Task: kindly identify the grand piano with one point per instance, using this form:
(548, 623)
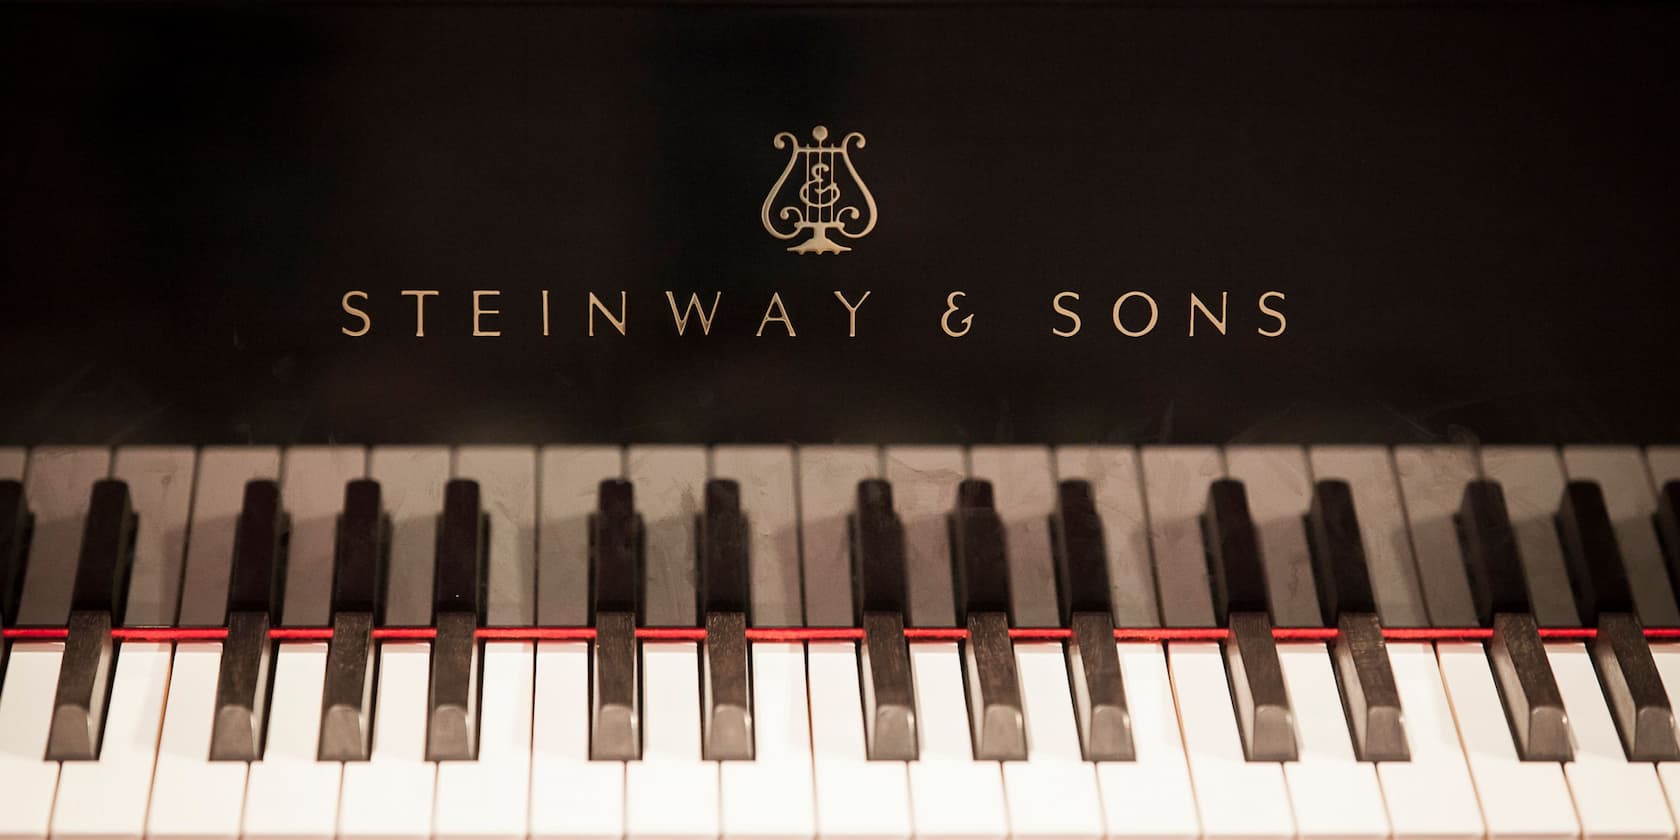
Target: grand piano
(850, 420)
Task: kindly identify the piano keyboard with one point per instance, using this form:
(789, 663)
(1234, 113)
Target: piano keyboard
(847, 642)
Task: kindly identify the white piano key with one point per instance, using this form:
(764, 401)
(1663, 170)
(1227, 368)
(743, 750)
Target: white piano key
(160, 485)
(570, 477)
(192, 796)
(1613, 796)
(1053, 794)
(312, 490)
(507, 480)
(670, 492)
(951, 794)
(1117, 486)
(1175, 484)
(1528, 799)
(1667, 656)
(671, 792)
(1024, 490)
(1430, 796)
(1332, 793)
(1432, 480)
(1237, 797)
(488, 799)
(26, 704)
(1150, 797)
(1620, 471)
(1279, 486)
(219, 492)
(1662, 462)
(924, 481)
(828, 480)
(772, 796)
(108, 798)
(572, 798)
(1532, 480)
(59, 483)
(411, 482)
(13, 460)
(1369, 472)
(844, 775)
(390, 796)
(765, 475)
(289, 795)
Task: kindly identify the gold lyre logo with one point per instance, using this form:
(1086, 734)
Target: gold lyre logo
(821, 204)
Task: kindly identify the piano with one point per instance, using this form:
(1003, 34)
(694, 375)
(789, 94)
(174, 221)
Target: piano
(665, 420)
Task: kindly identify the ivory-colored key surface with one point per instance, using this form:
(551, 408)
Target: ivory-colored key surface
(569, 479)
(217, 495)
(312, 492)
(1614, 797)
(488, 798)
(924, 482)
(1175, 481)
(193, 796)
(1430, 796)
(768, 498)
(844, 775)
(1054, 792)
(828, 479)
(1024, 493)
(1279, 488)
(1252, 800)
(573, 798)
(411, 481)
(58, 486)
(289, 795)
(1369, 472)
(671, 792)
(951, 794)
(1151, 796)
(1432, 480)
(1117, 491)
(1620, 472)
(507, 481)
(391, 795)
(1532, 479)
(1331, 792)
(26, 703)
(772, 796)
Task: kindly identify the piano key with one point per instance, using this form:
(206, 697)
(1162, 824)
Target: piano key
(1620, 471)
(1613, 796)
(362, 539)
(1369, 473)
(771, 796)
(1024, 489)
(725, 694)
(573, 798)
(1150, 796)
(192, 796)
(1519, 798)
(1253, 801)
(878, 553)
(489, 797)
(84, 680)
(924, 481)
(254, 600)
(1338, 552)
(107, 798)
(58, 486)
(764, 475)
(1332, 793)
(463, 537)
(844, 774)
(951, 794)
(1093, 664)
(1667, 656)
(671, 792)
(1114, 477)
(26, 705)
(828, 480)
(390, 796)
(1054, 792)
(1431, 795)
(507, 480)
(1278, 485)
(289, 795)
(570, 479)
(313, 495)
(15, 524)
(616, 549)
(13, 460)
(218, 493)
(669, 484)
(1175, 483)
(160, 484)
(411, 480)
(1532, 479)
(1432, 480)
(981, 570)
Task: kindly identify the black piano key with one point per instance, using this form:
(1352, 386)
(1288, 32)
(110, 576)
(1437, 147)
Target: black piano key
(1627, 671)
(1491, 563)
(359, 568)
(1363, 672)
(254, 587)
(616, 537)
(980, 573)
(878, 578)
(1235, 571)
(1081, 563)
(84, 678)
(16, 523)
(462, 542)
(726, 693)
(1667, 522)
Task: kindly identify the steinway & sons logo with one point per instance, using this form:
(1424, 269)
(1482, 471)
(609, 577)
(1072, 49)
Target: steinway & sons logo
(822, 203)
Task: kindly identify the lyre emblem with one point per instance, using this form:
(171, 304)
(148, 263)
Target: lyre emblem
(821, 204)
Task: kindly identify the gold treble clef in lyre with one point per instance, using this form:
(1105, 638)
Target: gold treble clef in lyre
(820, 209)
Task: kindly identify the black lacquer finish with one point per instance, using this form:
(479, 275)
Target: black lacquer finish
(726, 692)
(462, 544)
(360, 562)
(1081, 561)
(980, 572)
(255, 584)
(16, 523)
(616, 537)
(876, 537)
(84, 676)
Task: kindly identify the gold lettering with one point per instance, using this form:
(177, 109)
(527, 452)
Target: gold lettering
(777, 307)
(1056, 304)
(1282, 323)
(851, 312)
(693, 304)
(1197, 305)
(419, 296)
(1154, 313)
(545, 312)
(595, 304)
(951, 309)
(367, 323)
(479, 312)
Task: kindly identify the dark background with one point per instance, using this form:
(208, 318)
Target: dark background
(1471, 210)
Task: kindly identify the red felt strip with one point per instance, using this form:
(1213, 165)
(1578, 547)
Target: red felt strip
(169, 634)
(935, 634)
(537, 634)
(404, 633)
(35, 633)
(301, 634)
(804, 634)
(1169, 634)
(1039, 634)
(671, 634)
(1304, 634)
